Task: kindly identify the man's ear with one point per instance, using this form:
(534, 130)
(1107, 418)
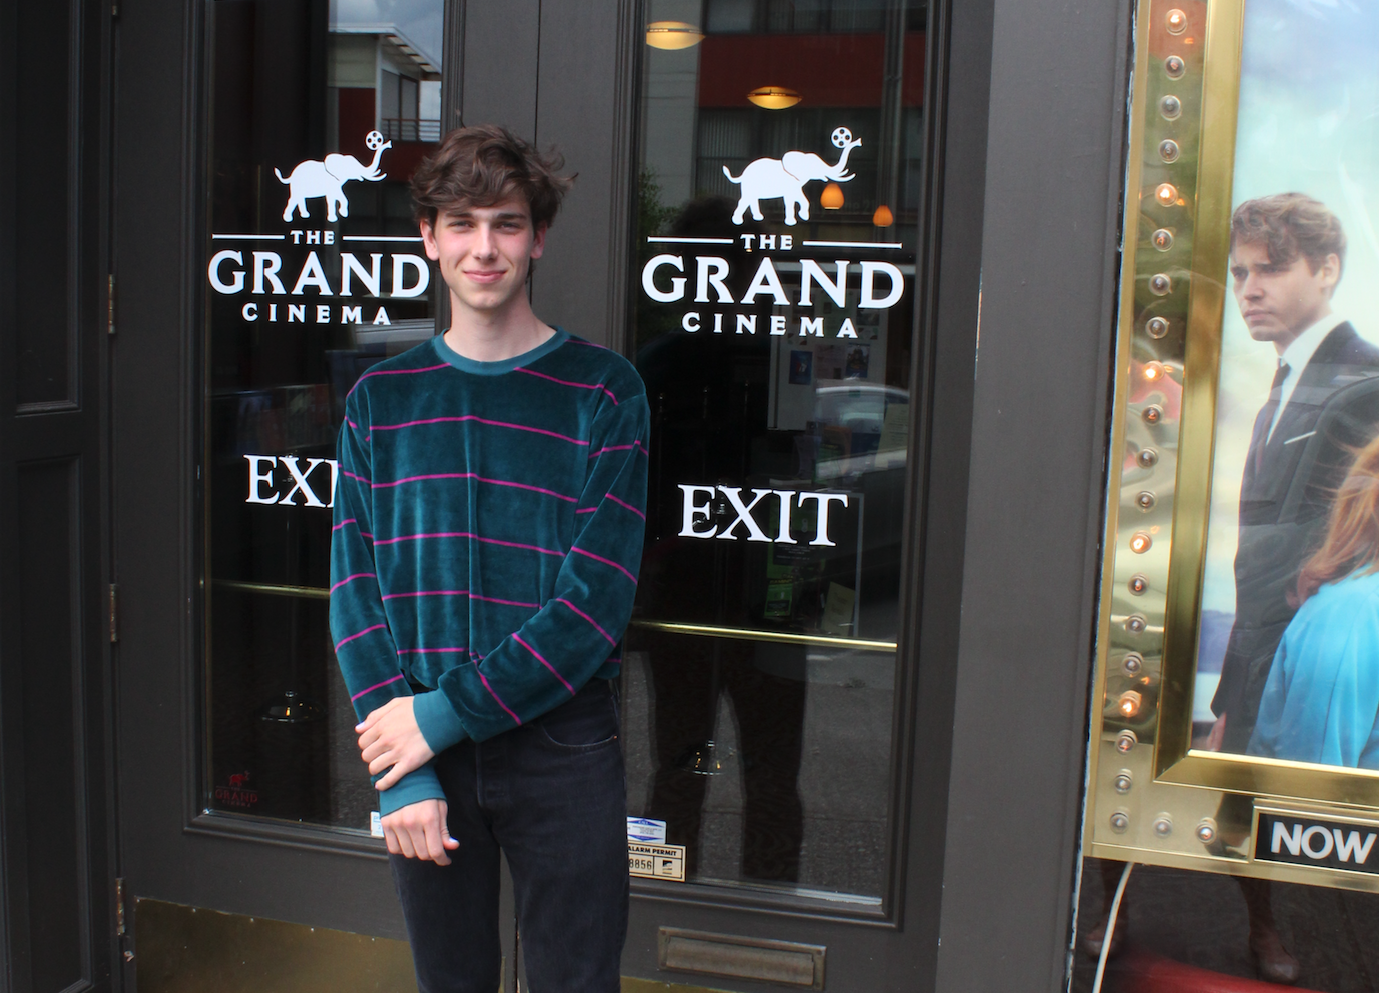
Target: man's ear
(1331, 271)
(428, 239)
(538, 242)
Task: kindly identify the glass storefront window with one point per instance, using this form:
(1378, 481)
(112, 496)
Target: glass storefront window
(319, 114)
(777, 228)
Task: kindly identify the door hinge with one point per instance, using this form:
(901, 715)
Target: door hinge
(114, 613)
(110, 303)
(119, 907)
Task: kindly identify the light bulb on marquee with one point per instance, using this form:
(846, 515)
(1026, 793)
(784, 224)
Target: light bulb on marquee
(774, 97)
(672, 36)
(832, 197)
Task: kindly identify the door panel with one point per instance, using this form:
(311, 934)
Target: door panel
(55, 798)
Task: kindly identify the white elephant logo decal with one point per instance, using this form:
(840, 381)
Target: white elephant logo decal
(316, 178)
(784, 178)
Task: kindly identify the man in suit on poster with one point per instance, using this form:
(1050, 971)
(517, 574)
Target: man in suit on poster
(1287, 256)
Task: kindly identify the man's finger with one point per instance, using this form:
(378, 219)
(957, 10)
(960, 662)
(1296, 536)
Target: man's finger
(374, 751)
(368, 736)
(435, 831)
(418, 831)
(446, 839)
(404, 840)
(390, 836)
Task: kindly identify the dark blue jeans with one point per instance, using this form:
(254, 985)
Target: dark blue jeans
(552, 796)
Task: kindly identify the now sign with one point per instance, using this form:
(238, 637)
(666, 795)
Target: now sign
(1304, 840)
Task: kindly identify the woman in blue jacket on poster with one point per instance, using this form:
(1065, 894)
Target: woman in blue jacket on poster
(1321, 701)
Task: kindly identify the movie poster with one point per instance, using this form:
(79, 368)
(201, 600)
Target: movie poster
(1288, 657)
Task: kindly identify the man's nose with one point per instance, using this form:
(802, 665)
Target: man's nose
(485, 244)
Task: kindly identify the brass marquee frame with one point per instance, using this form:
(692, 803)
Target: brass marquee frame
(1153, 797)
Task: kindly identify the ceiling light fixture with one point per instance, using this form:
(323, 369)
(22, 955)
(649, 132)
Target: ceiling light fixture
(672, 36)
(774, 97)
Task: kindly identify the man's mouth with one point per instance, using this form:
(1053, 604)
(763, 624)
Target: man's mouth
(484, 275)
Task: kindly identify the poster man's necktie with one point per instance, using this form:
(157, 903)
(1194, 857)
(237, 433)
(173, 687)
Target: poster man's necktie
(1266, 416)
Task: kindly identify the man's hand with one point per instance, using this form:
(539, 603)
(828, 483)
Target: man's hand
(419, 831)
(390, 737)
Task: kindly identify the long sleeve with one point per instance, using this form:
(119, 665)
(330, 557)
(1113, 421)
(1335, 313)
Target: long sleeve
(363, 642)
(579, 627)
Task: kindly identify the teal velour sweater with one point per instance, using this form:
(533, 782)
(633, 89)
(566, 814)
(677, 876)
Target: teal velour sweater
(488, 532)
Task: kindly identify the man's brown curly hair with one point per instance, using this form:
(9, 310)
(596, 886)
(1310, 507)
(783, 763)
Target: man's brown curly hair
(484, 165)
(1290, 226)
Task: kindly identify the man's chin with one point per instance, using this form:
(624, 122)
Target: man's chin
(1267, 332)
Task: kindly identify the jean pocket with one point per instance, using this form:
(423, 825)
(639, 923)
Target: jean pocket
(588, 721)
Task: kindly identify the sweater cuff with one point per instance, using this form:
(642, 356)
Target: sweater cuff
(417, 785)
(437, 721)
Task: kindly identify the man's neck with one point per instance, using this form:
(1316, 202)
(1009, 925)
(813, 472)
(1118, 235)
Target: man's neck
(1281, 346)
(496, 336)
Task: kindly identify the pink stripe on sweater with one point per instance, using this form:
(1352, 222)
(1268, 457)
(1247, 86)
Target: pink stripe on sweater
(509, 603)
(375, 686)
(346, 472)
(396, 372)
(425, 651)
(394, 596)
(629, 506)
(621, 448)
(495, 696)
(581, 613)
(542, 659)
(481, 420)
(347, 520)
(473, 475)
(357, 575)
(466, 534)
(566, 382)
(472, 596)
(359, 635)
(600, 558)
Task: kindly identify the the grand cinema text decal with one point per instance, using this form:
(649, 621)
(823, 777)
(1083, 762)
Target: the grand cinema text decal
(310, 266)
(700, 273)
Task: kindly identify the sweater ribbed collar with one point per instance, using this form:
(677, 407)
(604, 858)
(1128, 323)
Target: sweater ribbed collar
(448, 354)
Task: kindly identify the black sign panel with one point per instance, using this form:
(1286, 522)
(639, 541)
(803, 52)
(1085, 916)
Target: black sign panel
(1306, 840)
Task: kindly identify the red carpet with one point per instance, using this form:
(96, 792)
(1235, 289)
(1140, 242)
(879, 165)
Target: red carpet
(1142, 972)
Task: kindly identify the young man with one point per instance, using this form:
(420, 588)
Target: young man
(1287, 255)
(488, 532)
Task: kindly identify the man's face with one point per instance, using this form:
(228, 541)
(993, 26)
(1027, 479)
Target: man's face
(1280, 301)
(484, 253)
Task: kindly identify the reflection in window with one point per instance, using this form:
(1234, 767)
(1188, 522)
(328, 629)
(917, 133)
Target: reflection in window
(321, 112)
(777, 225)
